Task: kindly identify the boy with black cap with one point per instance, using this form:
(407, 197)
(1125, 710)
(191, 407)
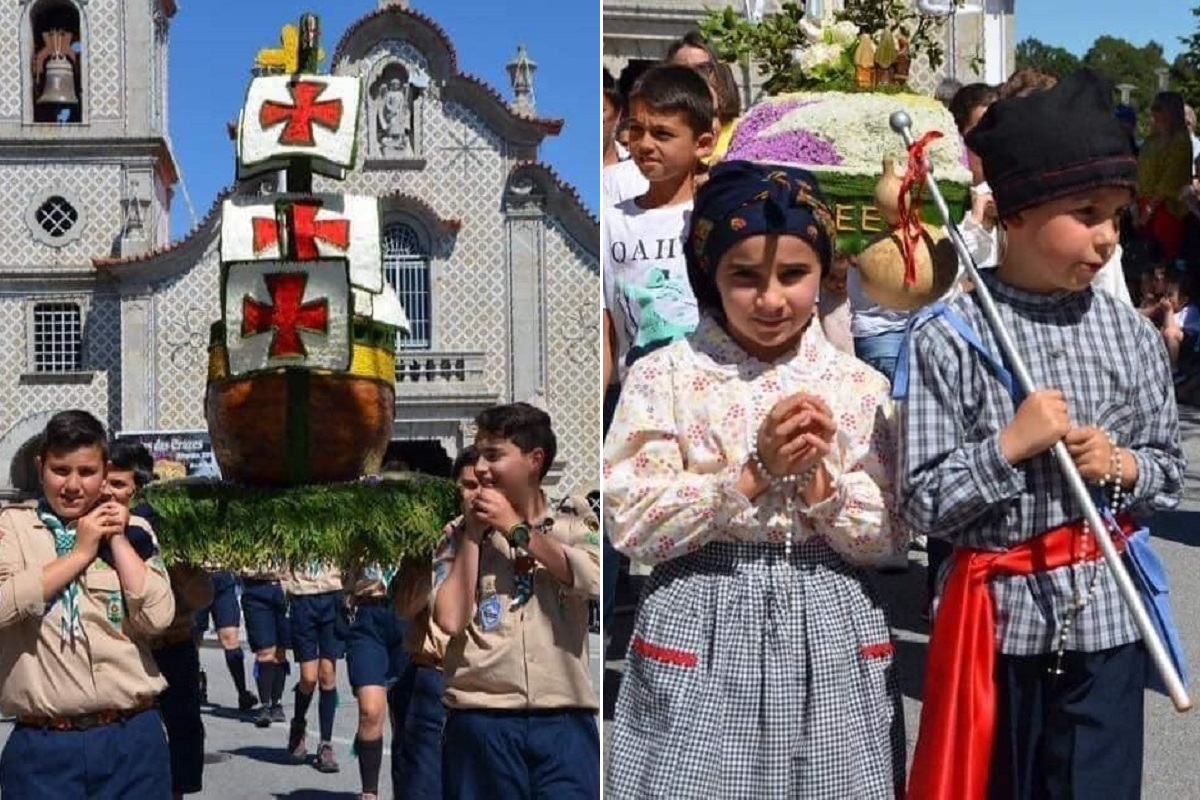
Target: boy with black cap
(1057, 712)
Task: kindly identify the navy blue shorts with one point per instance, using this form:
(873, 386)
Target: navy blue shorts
(488, 754)
(375, 654)
(319, 626)
(110, 762)
(224, 610)
(418, 718)
(180, 708)
(264, 607)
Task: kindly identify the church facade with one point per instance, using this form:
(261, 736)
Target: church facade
(492, 255)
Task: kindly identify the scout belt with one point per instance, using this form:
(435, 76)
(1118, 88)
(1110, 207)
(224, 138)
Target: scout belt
(83, 722)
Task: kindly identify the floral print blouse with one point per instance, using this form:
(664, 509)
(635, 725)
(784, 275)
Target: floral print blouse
(684, 429)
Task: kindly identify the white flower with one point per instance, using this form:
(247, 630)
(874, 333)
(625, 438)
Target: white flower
(811, 31)
(819, 55)
(844, 32)
(857, 126)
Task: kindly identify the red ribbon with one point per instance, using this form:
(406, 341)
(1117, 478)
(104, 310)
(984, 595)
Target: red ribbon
(909, 228)
(958, 716)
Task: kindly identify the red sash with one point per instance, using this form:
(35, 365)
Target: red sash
(958, 717)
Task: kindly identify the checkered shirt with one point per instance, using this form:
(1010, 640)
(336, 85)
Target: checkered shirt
(954, 483)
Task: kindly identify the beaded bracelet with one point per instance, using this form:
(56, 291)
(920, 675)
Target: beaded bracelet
(800, 480)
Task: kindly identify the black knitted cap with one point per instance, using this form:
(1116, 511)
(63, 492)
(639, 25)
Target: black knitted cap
(1053, 143)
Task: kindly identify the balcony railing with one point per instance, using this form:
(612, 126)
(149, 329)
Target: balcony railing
(432, 373)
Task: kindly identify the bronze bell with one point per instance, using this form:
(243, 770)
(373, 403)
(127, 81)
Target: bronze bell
(59, 86)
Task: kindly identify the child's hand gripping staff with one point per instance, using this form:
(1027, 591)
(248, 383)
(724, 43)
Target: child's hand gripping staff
(1045, 409)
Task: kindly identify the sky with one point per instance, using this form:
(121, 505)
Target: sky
(213, 42)
(1075, 24)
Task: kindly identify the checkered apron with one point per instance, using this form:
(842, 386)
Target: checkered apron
(749, 677)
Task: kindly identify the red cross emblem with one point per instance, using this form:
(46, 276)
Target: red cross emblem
(306, 229)
(300, 117)
(286, 315)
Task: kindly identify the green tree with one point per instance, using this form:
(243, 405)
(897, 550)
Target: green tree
(1185, 72)
(1122, 62)
(1035, 54)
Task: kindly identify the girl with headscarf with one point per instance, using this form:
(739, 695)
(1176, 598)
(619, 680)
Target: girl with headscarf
(752, 464)
(1164, 170)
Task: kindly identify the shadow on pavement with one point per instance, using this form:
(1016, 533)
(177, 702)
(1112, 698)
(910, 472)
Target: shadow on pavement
(267, 755)
(1177, 526)
(317, 794)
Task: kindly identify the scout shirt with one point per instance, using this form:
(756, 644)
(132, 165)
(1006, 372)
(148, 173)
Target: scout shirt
(425, 642)
(533, 657)
(110, 668)
(314, 578)
(193, 590)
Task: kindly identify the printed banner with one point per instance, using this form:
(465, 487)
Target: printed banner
(177, 454)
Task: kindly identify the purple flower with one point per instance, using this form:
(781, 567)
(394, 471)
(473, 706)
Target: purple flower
(792, 147)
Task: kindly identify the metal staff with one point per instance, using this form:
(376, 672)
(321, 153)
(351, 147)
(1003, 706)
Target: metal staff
(901, 123)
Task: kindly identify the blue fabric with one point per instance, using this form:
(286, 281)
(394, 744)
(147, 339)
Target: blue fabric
(880, 352)
(112, 762)
(963, 329)
(375, 653)
(319, 626)
(180, 707)
(224, 609)
(1148, 572)
(418, 719)
(264, 607)
(741, 199)
(521, 756)
(1075, 735)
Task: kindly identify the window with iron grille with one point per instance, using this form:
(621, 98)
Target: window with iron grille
(57, 337)
(406, 269)
(57, 216)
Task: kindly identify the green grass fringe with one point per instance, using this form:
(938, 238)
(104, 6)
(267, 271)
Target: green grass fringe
(207, 521)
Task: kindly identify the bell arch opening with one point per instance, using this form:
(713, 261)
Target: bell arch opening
(56, 37)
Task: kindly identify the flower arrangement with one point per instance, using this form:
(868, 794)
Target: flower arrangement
(867, 46)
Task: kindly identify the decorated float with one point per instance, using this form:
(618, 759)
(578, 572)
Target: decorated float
(301, 365)
(831, 84)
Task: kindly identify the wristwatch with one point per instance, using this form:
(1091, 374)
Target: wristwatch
(518, 535)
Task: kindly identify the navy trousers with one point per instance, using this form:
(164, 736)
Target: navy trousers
(180, 707)
(111, 762)
(418, 720)
(1073, 736)
(521, 756)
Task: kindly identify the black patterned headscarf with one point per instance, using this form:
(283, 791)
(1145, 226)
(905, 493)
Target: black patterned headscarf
(742, 199)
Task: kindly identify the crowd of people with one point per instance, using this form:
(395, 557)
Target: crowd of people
(480, 659)
(771, 435)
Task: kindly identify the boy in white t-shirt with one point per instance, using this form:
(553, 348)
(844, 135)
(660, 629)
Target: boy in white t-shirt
(648, 300)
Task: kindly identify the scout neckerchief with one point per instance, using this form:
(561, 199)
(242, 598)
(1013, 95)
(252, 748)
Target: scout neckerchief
(71, 625)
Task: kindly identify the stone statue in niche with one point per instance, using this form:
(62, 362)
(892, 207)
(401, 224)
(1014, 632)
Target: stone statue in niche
(394, 129)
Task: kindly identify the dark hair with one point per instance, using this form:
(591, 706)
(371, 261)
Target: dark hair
(129, 456)
(611, 93)
(691, 39)
(526, 426)
(1025, 82)
(673, 89)
(729, 101)
(969, 98)
(1171, 104)
(467, 457)
(630, 74)
(73, 430)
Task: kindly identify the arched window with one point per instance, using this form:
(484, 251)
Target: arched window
(406, 269)
(56, 50)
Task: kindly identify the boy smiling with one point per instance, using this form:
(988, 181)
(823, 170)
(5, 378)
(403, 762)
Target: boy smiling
(73, 626)
(512, 591)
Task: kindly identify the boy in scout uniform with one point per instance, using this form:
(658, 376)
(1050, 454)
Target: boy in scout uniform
(130, 469)
(265, 611)
(317, 617)
(76, 672)
(512, 585)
